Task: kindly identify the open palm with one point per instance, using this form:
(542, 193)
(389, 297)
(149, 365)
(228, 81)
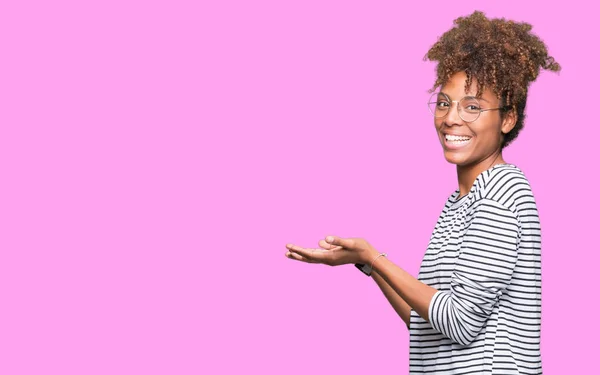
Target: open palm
(334, 251)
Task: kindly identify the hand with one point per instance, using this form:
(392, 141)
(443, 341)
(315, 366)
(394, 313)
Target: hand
(335, 251)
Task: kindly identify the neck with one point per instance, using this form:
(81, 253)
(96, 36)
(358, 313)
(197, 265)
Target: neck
(468, 173)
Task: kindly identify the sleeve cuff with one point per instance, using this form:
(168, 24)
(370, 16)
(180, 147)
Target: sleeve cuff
(435, 309)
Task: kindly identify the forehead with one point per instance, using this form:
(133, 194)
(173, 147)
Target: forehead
(454, 87)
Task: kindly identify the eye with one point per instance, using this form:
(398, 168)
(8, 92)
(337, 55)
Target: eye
(470, 104)
(472, 107)
(442, 104)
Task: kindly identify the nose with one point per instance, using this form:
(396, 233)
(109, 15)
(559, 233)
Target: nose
(453, 118)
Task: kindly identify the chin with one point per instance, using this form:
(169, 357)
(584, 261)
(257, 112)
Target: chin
(453, 158)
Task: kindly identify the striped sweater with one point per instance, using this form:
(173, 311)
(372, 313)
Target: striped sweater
(484, 259)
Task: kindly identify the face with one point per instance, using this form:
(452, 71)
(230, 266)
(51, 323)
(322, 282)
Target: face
(471, 143)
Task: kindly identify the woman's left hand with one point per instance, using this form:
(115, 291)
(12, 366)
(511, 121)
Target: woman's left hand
(334, 251)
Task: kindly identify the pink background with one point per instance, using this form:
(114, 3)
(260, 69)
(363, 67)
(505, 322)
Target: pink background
(156, 157)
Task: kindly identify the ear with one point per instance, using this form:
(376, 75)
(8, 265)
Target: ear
(509, 121)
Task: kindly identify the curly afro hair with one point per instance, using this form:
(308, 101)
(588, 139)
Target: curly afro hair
(499, 54)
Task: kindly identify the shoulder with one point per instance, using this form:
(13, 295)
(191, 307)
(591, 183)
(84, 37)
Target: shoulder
(506, 186)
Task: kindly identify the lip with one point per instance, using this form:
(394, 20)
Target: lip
(456, 134)
(454, 146)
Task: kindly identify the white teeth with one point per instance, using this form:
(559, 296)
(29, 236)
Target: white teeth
(456, 138)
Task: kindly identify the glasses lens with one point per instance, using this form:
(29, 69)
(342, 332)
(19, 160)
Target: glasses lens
(469, 108)
(438, 104)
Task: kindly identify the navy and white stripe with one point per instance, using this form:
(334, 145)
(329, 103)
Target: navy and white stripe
(484, 259)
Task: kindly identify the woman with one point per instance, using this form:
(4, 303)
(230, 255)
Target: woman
(475, 307)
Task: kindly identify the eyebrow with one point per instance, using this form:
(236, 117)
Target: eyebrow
(482, 99)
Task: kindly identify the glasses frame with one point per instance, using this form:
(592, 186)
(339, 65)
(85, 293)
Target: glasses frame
(435, 94)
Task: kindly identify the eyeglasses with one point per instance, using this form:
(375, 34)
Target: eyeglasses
(469, 108)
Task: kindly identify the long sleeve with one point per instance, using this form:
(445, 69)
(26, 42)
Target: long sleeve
(484, 268)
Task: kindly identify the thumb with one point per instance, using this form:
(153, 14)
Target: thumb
(347, 243)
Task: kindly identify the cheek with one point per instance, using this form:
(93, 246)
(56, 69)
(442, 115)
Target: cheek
(489, 135)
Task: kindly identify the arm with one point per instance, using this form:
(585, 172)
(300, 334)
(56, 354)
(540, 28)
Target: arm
(399, 305)
(483, 270)
(402, 289)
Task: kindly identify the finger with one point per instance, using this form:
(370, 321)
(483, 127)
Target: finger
(298, 257)
(344, 242)
(325, 245)
(293, 250)
(313, 255)
(291, 247)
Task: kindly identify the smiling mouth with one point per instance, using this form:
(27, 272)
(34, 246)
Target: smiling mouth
(456, 139)
(456, 142)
